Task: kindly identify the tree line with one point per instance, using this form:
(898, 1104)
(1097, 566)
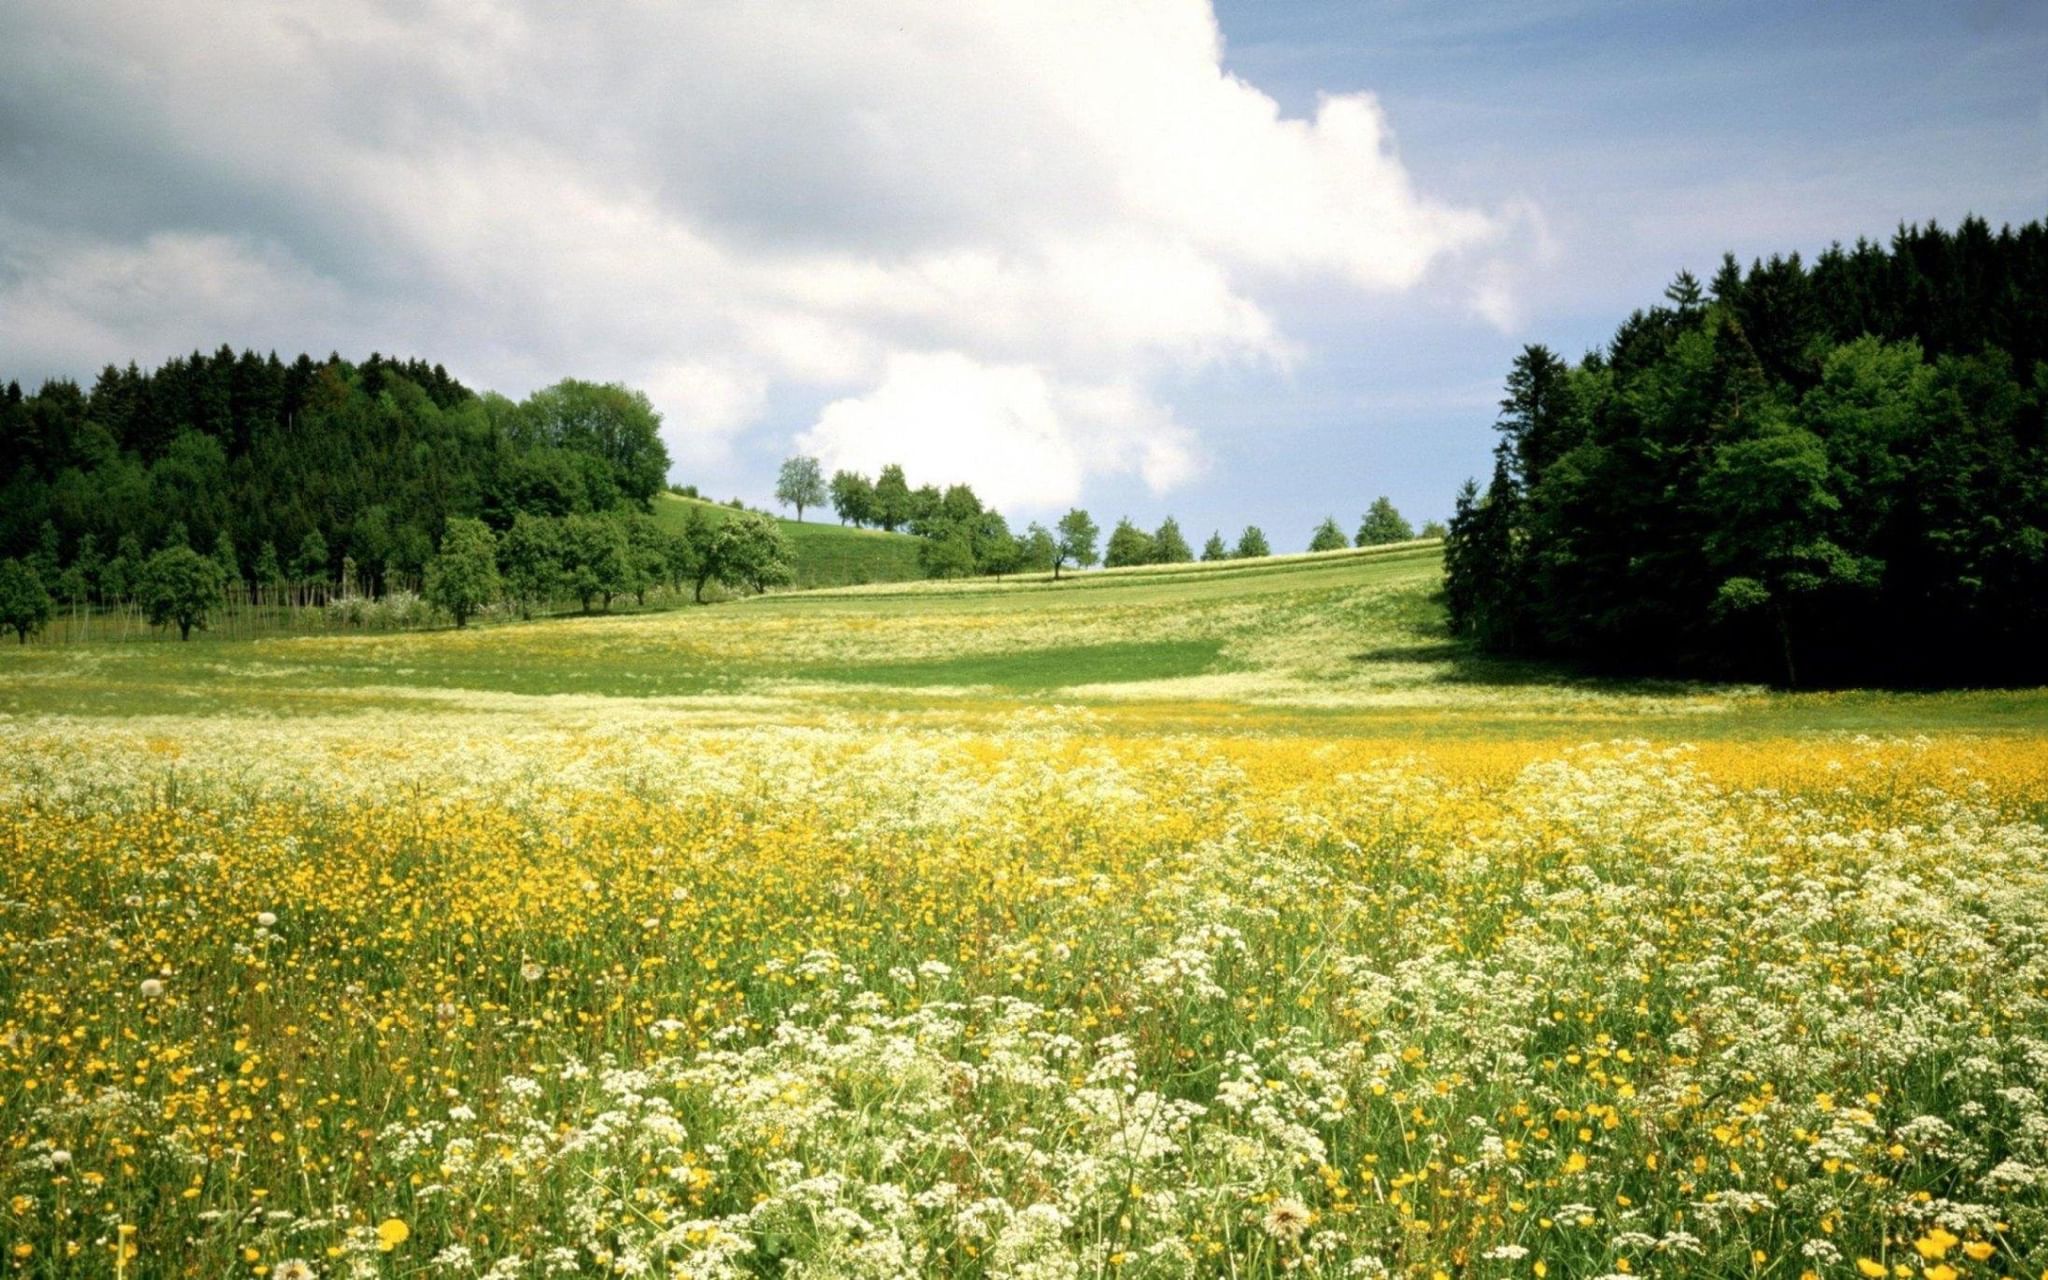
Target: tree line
(1816, 474)
(253, 461)
(963, 537)
(589, 558)
(240, 482)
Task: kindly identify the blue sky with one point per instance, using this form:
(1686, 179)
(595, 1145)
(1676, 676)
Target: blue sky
(1249, 264)
(1651, 137)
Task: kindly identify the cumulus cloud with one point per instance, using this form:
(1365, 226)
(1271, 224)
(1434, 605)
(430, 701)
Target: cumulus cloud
(978, 235)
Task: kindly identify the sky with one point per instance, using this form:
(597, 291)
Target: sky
(1255, 262)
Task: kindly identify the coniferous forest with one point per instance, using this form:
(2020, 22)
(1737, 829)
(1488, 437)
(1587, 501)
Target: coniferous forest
(1812, 474)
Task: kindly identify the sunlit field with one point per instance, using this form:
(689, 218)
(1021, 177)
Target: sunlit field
(1174, 924)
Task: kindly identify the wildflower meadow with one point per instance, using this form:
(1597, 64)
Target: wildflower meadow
(1197, 924)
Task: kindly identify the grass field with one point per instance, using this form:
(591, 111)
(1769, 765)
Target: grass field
(825, 554)
(1225, 921)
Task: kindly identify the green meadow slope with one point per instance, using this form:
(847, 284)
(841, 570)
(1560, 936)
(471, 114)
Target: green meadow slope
(1348, 642)
(826, 554)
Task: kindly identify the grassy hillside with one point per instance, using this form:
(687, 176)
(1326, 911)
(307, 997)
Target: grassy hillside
(827, 554)
(1348, 642)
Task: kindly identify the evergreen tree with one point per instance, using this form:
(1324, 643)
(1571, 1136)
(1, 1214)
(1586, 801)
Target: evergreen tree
(1328, 536)
(1214, 549)
(1251, 544)
(1128, 545)
(1383, 524)
(1169, 546)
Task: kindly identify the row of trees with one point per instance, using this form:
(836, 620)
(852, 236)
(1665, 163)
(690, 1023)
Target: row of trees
(590, 558)
(595, 559)
(963, 537)
(365, 462)
(1825, 474)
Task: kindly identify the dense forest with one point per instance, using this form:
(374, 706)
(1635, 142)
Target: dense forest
(305, 471)
(1824, 474)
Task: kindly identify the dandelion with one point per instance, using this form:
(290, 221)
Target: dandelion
(531, 972)
(268, 920)
(293, 1269)
(391, 1233)
(152, 988)
(1286, 1219)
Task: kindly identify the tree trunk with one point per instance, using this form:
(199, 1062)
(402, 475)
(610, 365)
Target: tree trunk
(1785, 645)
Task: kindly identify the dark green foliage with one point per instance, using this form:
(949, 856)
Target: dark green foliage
(892, 504)
(1169, 545)
(180, 587)
(463, 576)
(1128, 545)
(1252, 542)
(853, 497)
(947, 551)
(246, 451)
(530, 556)
(1215, 549)
(1383, 524)
(1075, 541)
(24, 604)
(1328, 536)
(1828, 474)
(1037, 551)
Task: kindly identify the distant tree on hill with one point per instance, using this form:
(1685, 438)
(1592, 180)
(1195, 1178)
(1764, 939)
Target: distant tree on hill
(853, 497)
(1037, 550)
(1169, 546)
(947, 551)
(1215, 549)
(1128, 545)
(927, 507)
(996, 550)
(1383, 524)
(1075, 543)
(801, 484)
(1251, 543)
(893, 507)
(463, 575)
(24, 604)
(180, 587)
(1432, 529)
(1329, 536)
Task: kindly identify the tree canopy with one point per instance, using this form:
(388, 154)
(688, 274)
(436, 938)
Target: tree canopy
(317, 461)
(1835, 473)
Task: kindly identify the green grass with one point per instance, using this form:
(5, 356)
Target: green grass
(1347, 643)
(826, 554)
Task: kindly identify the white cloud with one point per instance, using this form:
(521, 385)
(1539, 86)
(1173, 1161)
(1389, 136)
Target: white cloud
(978, 233)
(1021, 438)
